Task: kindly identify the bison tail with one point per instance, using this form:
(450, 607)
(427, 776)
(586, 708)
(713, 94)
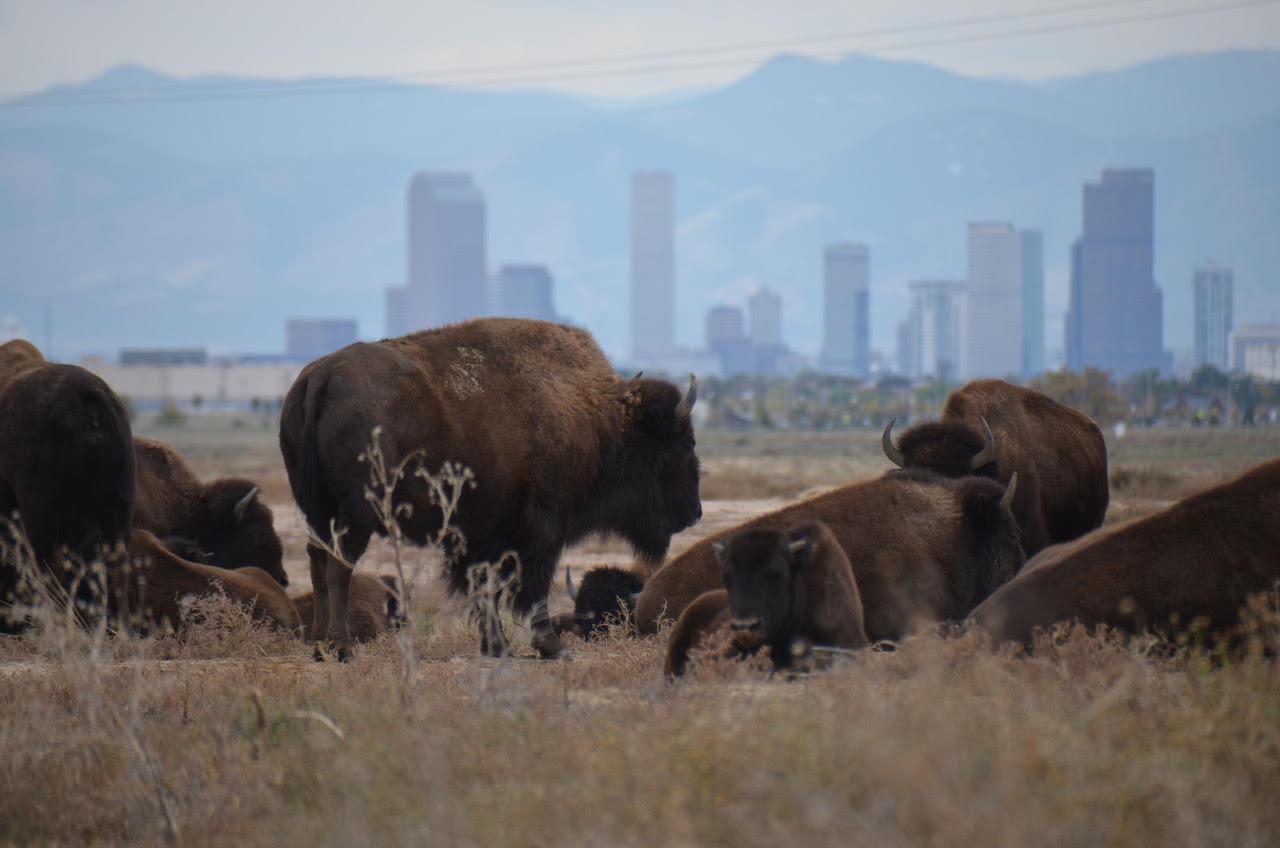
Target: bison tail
(306, 477)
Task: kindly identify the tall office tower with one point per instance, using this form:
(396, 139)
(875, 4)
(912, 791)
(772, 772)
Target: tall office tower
(765, 318)
(724, 323)
(727, 339)
(653, 265)
(1032, 303)
(307, 339)
(526, 291)
(906, 346)
(1116, 318)
(1214, 315)
(995, 301)
(446, 240)
(933, 343)
(846, 320)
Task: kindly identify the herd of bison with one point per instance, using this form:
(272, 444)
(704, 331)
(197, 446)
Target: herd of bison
(993, 513)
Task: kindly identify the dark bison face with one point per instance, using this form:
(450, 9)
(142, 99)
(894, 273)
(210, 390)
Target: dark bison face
(239, 531)
(760, 571)
(661, 470)
(948, 447)
(606, 594)
(188, 549)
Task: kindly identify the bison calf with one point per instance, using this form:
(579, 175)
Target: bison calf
(225, 518)
(784, 591)
(1199, 559)
(991, 428)
(374, 607)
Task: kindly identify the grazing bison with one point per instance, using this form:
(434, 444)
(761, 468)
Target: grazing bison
(66, 461)
(607, 594)
(225, 518)
(1200, 558)
(373, 607)
(161, 583)
(923, 548)
(559, 445)
(992, 428)
(783, 591)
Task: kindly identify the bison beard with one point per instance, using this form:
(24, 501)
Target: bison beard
(559, 447)
(66, 463)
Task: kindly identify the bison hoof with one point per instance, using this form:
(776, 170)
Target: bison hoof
(549, 646)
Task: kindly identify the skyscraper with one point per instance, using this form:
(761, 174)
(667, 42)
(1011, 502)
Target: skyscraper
(765, 318)
(995, 301)
(653, 271)
(1032, 303)
(727, 339)
(1214, 316)
(932, 340)
(846, 324)
(446, 241)
(307, 339)
(1116, 317)
(526, 291)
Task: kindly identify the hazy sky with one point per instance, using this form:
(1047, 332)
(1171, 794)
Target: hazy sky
(50, 41)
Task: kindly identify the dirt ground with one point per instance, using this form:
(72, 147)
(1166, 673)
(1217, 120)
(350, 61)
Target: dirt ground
(232, 734)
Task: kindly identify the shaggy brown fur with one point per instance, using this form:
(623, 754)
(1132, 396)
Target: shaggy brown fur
(373, 607)
(165, 582)
(606, 595)
(922, 547)
(786, 590)
(560, 447)
(1201, 557)
(225, 517)
(1058, 453)
(66, 461)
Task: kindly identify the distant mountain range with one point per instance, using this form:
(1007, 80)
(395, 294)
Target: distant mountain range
(214, 208)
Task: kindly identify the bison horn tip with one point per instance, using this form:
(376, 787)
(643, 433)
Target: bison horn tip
(689, 399)
(244, 502)
(1006, 500)
(988, 451)
(890, 449)
(568, 584)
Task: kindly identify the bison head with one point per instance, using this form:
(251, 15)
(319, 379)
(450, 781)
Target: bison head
(657, 486)
(949, 447)
(238, 530)
(606, 594)
(761, 571)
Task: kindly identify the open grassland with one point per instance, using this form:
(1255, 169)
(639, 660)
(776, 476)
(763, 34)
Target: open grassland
(233, 735)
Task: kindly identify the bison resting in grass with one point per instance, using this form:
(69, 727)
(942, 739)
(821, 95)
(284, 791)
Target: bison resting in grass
(784, 591)
(226, 518)
(560, 447)
(373, 607)
(992, 428)
(1201, 558)
(607, 595)
(66, 461)
(923, 548)
(160, 583)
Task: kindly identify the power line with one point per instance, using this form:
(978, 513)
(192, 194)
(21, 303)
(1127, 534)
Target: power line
(486, 77)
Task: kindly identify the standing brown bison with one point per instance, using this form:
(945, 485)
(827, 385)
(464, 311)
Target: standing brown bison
(559, 445)
(66, 460)
(225, 518)
(992, 428)
(1200, 558)
(783, 591)
(923, 548)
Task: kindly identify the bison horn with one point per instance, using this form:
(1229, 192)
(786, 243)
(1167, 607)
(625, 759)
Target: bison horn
(890, 449)
(244, 503)
(568, 584)
(1006, 500)
(988, 451)
(690, 398)
(638, 375)
(717, 548)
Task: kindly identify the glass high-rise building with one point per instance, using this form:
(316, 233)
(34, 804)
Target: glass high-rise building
(653, 266)
(1214, 316)
(526, 291)
(1116, 318)
(1032, 303)
(846, 310)
(995, 301)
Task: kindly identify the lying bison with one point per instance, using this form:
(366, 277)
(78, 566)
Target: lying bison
(373, 607)
(66, 461)
(992, 428)
(225, 518)
(607, 596)
(559, 445)
(784, 591)
(1199, 559)
(160, 584)
(923, 548)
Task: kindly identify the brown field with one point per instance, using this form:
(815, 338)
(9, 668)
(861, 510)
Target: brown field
(234, 735)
